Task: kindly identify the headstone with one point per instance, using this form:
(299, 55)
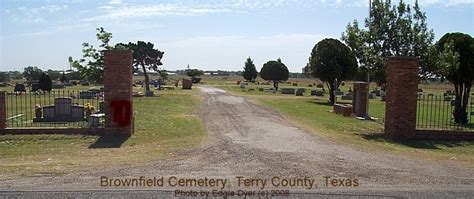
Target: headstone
(58, 86)
(300, 92)
(338, 92)
(48, 112)
(376, 92)
(85, 84)
(317, 93)
(319, 85)
(61, 111)
(371, 96)
(242, 85)
(347, 97)
(345, 110)
(187, 84)
(62, 106)
(268, 89)
(86, 95)
(35, 87)
(359, 99)
(196, 80)
(20, 88)
(295, 84)
(288, 91)
(260, 89)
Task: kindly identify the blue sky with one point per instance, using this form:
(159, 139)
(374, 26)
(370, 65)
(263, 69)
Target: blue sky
(209, 35)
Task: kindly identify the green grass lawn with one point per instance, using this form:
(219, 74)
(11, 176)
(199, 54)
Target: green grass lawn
(164, 125)
(314, 114)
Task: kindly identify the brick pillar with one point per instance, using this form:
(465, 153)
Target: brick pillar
(359, 99)
(3, 110)
(401, 99)
(118, 92)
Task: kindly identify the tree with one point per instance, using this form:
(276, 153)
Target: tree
(4, 77)
(54, 74)
(390, 31)
(455, 62)
(332, 62)
(146, 57)
(91, 66)
(73, 75)
(63, 78)
(250, 73)
(32, 73)
(275, 71)
(45, 82)
(194, 73)
(164, 75)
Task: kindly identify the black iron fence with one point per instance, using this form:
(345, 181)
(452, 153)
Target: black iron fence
(436, 112)
(58, 108)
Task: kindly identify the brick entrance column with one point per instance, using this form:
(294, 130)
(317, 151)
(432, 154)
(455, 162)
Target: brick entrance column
(118, 92)
(359, 99)
(402, 87)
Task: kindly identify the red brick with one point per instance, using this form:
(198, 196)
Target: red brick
(118, 87)
(401, 99)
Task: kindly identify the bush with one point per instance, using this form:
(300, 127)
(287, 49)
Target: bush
(45, 82)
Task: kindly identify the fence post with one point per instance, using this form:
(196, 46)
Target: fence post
(3, 110)
(401, 99)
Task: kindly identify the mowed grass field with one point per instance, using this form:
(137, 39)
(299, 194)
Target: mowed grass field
(314, 114)
(164, 125)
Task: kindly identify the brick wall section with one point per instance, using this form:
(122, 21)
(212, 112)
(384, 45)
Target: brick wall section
(401, 99)
(345, 110)
(3, 110)
(62, 131)
(118, 89)
(359, 100)
(443, 135)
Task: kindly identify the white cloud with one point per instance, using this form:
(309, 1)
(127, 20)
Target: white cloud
(35, 14)
(116, 9)
(112, 13)
(114, 2)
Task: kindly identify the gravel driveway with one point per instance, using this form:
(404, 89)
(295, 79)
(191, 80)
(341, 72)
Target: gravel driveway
(254, 142)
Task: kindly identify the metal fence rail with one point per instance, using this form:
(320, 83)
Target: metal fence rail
(436, 112)
(58, 108)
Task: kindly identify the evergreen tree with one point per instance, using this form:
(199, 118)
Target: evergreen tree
(250, 72)
(45, 82)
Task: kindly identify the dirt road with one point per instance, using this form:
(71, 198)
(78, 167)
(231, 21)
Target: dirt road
(251, 141)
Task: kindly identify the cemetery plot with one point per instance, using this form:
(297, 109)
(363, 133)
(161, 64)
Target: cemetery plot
(436, 112)
(59, 108)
